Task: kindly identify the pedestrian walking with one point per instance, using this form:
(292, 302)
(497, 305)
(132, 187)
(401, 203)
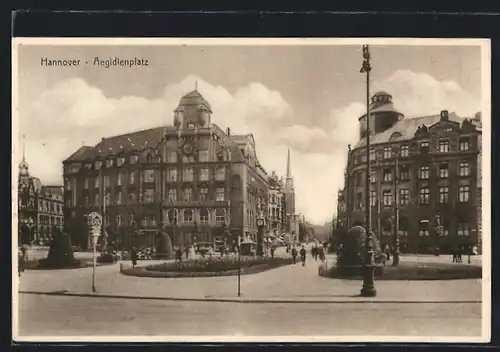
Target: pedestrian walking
(303, 256)
(454, 254)
(322, 254)
(178, 255)
(133, 257)
(294, 255)
(459, 255)
(186, 251)
(20, 262)
(272, 252)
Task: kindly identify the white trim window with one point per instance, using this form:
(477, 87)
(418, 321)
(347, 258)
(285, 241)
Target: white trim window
(463, 229)
(220, 194)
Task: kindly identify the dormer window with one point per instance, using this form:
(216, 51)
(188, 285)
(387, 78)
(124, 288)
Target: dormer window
(98, 165)
(109, 162)
(133, 159)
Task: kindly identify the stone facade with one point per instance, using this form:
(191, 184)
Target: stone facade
(436, 176)
(193, 180)
(40, 208)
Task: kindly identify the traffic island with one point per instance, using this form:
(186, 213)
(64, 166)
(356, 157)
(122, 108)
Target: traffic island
(222, 266)
(407, 271)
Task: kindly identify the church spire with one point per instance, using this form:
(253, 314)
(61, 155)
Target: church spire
(23, 165)
(24, 148)
(288, 166)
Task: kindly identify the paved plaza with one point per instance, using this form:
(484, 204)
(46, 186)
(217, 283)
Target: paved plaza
(292, 282)
(290, 300)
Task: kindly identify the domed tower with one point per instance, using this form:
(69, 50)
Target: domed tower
(383, 115)
(193, 111)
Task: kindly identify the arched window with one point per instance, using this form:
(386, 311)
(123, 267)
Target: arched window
(395, 135)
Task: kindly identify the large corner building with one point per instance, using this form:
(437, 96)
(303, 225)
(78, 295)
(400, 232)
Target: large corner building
(190, 179)
(437, 182)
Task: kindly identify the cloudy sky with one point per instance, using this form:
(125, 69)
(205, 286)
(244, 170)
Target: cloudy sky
(305, 97)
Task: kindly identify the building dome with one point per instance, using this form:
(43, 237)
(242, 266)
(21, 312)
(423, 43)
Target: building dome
(24, 168)
(194, 99)
(193, 110)
(381, 97)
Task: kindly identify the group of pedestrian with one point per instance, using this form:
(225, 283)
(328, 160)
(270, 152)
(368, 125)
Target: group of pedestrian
(302, 255)
(457, 254)
(318, 252)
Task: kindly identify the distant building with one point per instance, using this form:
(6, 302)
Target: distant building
(438, 176)
(276, 220)
(40, 208)
(192, 180)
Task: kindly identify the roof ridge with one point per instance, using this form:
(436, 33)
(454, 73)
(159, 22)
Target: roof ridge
(130, 133)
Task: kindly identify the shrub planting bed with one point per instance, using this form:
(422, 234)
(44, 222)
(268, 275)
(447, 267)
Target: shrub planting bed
(224, 266)
(410, 271)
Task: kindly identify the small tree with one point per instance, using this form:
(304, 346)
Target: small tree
(163, 246)
(60, 251)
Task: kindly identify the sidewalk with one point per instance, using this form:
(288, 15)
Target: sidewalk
(289, 284)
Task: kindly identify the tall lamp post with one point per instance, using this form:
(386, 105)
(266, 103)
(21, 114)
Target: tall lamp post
(96, 221)
(395, 260)
(368, 289)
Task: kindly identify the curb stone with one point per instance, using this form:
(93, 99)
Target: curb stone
(240, 300)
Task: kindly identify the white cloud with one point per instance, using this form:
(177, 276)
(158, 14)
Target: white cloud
(419, 94)
(58, 121)
(299, 137)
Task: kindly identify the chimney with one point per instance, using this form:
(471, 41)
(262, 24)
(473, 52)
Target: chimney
(477, 116)
(444, 115)
(228, 131)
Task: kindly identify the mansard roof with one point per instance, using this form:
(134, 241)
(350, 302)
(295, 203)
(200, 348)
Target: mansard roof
(405, 129)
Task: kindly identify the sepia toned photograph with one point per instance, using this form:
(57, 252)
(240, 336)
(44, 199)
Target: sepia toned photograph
(253, 190)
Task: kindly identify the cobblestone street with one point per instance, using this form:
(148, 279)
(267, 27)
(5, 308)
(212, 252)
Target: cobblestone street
(76, 316)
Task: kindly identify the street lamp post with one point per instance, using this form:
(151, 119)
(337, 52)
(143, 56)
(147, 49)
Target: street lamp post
(368, 289)
(395, 260)
(96, 221)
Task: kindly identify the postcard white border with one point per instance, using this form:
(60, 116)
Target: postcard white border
(486, 178)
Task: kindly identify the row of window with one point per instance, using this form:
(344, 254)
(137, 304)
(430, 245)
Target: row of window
(275, 199)
(464, 170)
(43, 206)
(404, 150)
(463, 229)
(172, 217)
(149, 177)
(50, 220)
(168, 157)
(423, 196)
(148, 196)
